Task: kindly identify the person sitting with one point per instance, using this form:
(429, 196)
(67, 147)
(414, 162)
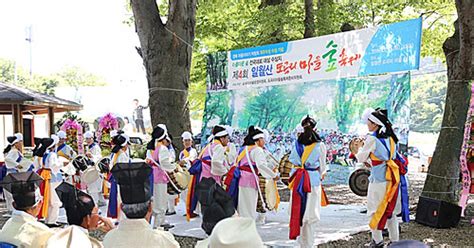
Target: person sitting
(81, 210)
(22, 229)
(135, 230)
(233, 232)
(72, 237)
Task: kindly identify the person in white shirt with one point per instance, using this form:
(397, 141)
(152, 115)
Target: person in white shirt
(81, 211)
(13, 158)
(23, 229)
(233, 232)
(135, 230)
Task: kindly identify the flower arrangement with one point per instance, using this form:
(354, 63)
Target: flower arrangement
(107, 123)
(74, 133)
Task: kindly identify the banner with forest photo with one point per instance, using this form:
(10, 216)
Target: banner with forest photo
(337, 106)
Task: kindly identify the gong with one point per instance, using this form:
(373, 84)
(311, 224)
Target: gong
(359, 181)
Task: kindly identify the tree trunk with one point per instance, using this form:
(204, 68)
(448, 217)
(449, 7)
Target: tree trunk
(166, 51)
(443, 173)
(309, 25)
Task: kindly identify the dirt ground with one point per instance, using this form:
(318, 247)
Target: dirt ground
(461, 236)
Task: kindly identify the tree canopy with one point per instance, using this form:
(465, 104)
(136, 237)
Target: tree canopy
(68, 76)
(228, 25)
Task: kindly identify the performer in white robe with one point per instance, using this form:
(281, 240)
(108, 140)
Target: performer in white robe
(63, 149)
(213, 163)
(376, 152)
(94, 152)
(309, 157)
(187, 156)
(23, 229)
(119, 155)
(251, 162)
(50, 172)
(13, 158)
(162, 163)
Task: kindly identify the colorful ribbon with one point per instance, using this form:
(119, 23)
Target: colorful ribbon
(45, 189)
(298, 201)
(191, 198)
(386, 207)
(112, 210)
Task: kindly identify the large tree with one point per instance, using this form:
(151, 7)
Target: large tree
(166, 49)
(443, 173)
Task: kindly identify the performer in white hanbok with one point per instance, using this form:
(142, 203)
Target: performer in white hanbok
(63, 149)
(94, 152)
(162, 163)
(119, 155)
(13, 157)
(243, 179)
(50, 172)
(212, 163)
(309, 157)
(379, 150)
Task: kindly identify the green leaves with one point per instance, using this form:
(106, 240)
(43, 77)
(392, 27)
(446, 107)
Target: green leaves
(70, 76)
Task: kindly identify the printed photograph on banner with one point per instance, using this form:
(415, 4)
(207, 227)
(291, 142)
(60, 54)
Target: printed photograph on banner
(216, 78)
(337, 106)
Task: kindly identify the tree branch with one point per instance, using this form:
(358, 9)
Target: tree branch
(145, 8)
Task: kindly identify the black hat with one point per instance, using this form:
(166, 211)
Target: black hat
(22, 186)
(77, 204)
(119, 142)
(216, 204)
(308, 121)
(134, 181)
(219, 131)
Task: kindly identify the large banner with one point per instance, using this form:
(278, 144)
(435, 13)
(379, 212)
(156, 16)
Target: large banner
(378, 50)
(337, 105)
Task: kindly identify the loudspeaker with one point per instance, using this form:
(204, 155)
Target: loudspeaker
(436, 213)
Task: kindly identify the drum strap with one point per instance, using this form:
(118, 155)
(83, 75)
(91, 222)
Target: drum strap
(166, 173)
(256, 179)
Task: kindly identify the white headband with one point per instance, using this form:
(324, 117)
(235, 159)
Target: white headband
(221, 134)
(376, 120)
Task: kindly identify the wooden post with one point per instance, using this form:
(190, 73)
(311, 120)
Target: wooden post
(17, 118)
(51, 120)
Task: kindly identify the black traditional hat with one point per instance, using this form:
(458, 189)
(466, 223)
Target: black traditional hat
(216, 204)
(23, 187)
(77, 204)
(134, 181)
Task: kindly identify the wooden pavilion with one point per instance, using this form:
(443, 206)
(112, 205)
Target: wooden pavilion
(17, 101)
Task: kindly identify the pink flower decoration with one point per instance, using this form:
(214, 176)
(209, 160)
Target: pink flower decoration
(72, 124)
